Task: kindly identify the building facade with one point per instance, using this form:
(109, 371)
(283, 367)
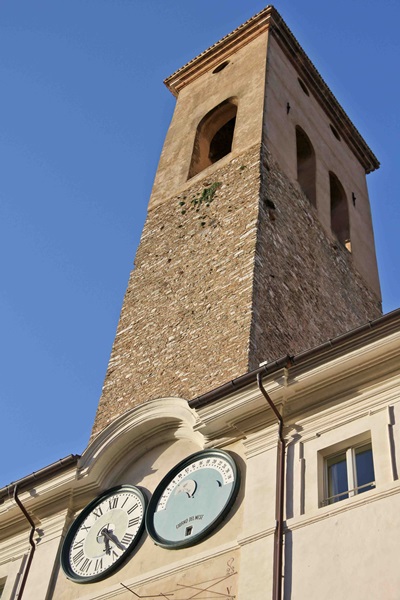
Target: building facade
(246, 443)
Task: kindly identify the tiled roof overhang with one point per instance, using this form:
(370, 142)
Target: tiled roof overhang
(270, 20)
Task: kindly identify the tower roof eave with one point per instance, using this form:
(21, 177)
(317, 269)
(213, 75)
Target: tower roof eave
(270, 20)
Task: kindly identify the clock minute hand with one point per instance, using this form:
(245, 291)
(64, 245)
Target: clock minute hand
(111, 537)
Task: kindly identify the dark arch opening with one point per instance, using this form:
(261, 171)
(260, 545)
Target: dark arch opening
(221, 67)
(221, 144)
(214, 136)
(306, 165)
(339, 211)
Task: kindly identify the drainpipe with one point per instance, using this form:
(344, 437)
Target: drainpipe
(280, 489)
(32, 543)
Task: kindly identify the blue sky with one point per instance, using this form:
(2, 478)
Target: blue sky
(83, 116)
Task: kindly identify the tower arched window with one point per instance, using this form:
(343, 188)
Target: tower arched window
(306, 165)
(214, 136)
(340, 223)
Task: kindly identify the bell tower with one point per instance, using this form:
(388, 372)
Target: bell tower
(258, 241)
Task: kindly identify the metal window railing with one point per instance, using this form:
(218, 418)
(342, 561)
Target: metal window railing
(347, 493)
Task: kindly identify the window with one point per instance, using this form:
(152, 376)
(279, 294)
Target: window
(335, 132)
(303, 86)
(305, 165)
(214, 136)
(339, 212)
(221, 67)
(348, 473)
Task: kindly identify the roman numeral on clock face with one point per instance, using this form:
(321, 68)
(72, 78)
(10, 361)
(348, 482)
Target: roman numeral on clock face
(86, 565)
(114, 555)
(128, 537)
(98, 512)
(99, 564)
(103, 534)
(113, 503)
(132, 508)
(78, 557)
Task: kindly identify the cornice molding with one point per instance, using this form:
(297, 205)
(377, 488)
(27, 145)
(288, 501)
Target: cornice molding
(136, 432)
(16, 545)
(220, 51)
(41, 501)
(261, 442)
(341, 412)
(255, 537)
(240, 412)
(371, 366)
(269, 20)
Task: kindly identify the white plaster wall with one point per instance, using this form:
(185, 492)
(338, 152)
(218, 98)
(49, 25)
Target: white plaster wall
(353, 554)
(348, 549)
(155, 569)
(11, 571)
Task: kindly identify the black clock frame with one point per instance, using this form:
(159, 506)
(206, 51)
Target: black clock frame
(64, 558)
(168, 544)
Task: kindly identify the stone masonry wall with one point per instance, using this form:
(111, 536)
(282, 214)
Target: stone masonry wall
(234, 271)
(306, 289)
(185, 322)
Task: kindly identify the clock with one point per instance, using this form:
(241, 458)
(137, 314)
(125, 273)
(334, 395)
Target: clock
(192, 499)
(104, 534)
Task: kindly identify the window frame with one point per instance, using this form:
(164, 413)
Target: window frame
(306, 166)
(339, 211)
(209, 126)
(348, 448)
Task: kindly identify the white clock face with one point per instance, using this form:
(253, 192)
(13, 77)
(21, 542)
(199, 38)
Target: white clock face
(104, 534)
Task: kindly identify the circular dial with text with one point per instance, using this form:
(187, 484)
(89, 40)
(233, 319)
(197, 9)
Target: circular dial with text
(192, 499)
(104, 534)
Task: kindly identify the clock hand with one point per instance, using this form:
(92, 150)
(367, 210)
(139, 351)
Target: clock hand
(107, 544)
(187, 487)
(111, 537)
